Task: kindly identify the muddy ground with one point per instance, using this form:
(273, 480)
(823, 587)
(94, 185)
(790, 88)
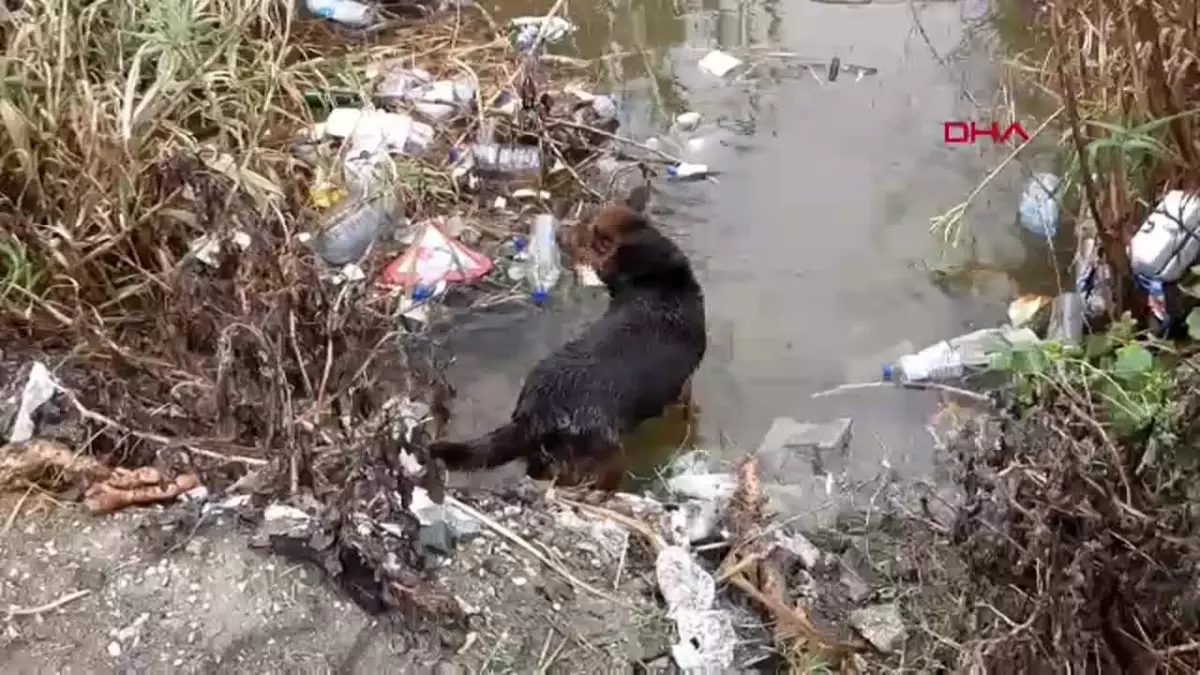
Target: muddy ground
(205, 601)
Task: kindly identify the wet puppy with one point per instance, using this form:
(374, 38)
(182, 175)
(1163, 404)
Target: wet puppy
(625, 368)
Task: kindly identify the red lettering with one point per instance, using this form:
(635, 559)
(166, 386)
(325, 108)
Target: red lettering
(957, 133)
(1014, 128)
(992, 132)
(961, 137)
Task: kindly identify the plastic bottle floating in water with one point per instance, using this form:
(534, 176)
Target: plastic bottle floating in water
(953, 358)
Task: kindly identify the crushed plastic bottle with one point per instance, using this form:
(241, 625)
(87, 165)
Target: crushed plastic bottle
(1038, 210)
(951, 359)
(360, 219)
(345, 12)
(545, 266)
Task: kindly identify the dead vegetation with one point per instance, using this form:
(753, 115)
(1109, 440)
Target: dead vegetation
(130, 131)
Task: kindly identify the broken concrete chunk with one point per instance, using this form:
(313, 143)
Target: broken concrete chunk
(881, 625)
(792, 449)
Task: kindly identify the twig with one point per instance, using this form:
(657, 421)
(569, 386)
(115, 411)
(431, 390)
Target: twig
(529, 548)
(616, 137)
(957, 391)
(87, 413)
(12, 517)
(14, 610)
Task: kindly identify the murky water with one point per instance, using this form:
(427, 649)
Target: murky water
(811, 245)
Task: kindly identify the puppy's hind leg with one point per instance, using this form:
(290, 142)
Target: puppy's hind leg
(597, 458)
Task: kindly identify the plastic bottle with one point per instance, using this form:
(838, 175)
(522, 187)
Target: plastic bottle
(545, 266)
(1167, 242)
(345, 12)
(509, 158)
(950, 359)
(684, 170)
(362, 217)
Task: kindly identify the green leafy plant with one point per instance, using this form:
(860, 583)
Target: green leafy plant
(1131, 387)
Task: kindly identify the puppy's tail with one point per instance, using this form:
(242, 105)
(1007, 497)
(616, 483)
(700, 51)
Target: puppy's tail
(498, 447)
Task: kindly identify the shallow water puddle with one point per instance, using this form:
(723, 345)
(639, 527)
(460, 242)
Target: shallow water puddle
(810, 246)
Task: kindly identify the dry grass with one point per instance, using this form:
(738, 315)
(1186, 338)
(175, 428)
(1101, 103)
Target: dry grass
(1128, 77)
(129, 130)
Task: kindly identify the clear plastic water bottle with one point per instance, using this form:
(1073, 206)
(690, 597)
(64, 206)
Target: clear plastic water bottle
(506, 159)
(545, 266)
(950, 359)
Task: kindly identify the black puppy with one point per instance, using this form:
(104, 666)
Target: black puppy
(627, 367)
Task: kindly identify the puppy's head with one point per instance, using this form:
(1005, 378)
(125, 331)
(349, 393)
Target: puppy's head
(627, 252)
(597, 240)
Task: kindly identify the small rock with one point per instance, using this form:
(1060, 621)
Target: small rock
(880, 625)
(856, 589)
(114, 649)
(801, 548)
(447, 668)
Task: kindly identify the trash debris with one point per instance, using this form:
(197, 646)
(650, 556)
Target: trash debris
(706, 636)
(40, 387)
(1093, 277)
(1027, 310)
(433, 260)
(719, 63)
(1038, 211)
(438, 100)
(687, 121)
(545, 267)
(374, 131)
(345, 12)
(1166, 244)
(525, 30)
(349, 230)
(1066, 319)
(685, 171)
(508, 160)
(950, 359)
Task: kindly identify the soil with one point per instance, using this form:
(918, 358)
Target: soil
(211, 603)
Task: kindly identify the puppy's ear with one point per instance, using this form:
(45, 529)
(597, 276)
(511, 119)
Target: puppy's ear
(639, 198)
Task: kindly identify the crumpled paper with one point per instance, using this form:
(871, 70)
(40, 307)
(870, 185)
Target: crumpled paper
(706, 636)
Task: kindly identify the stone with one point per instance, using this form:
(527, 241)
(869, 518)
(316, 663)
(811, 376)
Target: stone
(799, 548)
(881, 625)
(793, 450)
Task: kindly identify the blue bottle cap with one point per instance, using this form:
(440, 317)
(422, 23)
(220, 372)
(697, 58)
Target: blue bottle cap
(422, 292)
(540, 295)
(673, 170)
(454, 154)
(889, 371)
(519, 243)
